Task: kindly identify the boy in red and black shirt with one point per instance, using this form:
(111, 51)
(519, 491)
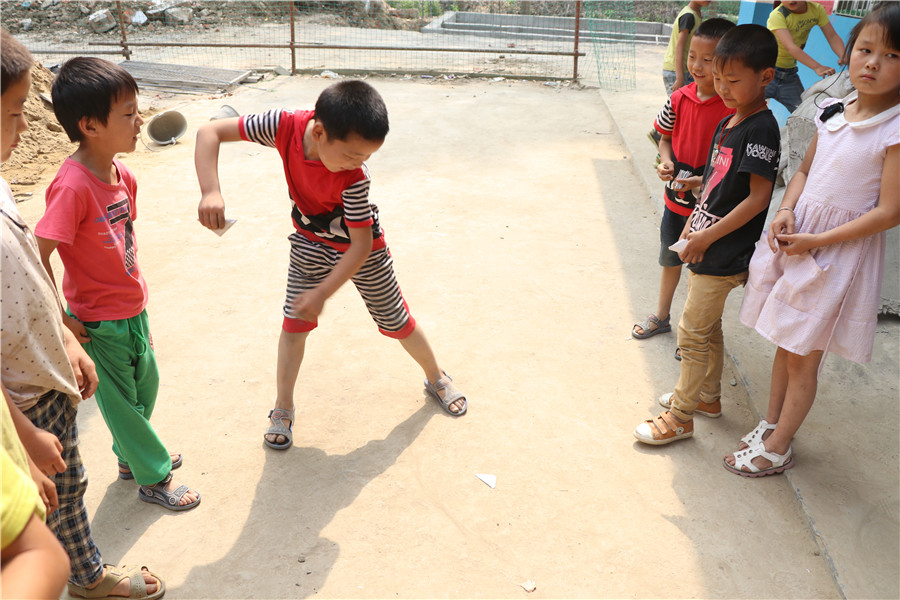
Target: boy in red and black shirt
(686, 123)
(337, 235)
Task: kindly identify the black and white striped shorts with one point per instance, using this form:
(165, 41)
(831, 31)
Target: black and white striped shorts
(311, 262)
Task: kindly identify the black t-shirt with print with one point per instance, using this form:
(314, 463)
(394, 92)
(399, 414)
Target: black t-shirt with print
(751, 147)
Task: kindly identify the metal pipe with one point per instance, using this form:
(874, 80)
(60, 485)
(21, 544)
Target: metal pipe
(577, 37)
(290, 5)
(125, 52)
(340, 47)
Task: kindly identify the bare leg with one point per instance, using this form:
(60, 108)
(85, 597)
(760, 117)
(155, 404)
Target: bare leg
(416, 344)
(290, 355)
(801, 382)
(668, 282)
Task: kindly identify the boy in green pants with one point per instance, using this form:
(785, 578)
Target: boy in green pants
(89, 220)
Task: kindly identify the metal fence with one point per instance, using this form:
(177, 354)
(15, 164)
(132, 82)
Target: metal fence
(524, 39)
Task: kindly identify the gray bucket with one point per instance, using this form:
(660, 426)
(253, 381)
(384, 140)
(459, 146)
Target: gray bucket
(226, 112)
(165, 128)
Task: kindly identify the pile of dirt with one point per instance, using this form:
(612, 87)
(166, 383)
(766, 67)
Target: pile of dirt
(44, 146)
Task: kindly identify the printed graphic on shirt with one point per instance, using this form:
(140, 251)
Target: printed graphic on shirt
(116, 213)
(701, 218)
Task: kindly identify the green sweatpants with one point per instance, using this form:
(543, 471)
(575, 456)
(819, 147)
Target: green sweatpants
(126, 394)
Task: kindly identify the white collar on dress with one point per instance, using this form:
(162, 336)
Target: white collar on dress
(838, 120)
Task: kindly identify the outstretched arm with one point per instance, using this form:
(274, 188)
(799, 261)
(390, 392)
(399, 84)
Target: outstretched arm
(206, 161)
(881, 218)
(784, 37)
(835, 41)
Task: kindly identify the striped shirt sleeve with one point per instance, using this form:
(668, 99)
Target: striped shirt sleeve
(357, 212)
(262, 127)
(665, 120)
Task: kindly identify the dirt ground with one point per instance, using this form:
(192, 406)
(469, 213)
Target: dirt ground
(525, 240)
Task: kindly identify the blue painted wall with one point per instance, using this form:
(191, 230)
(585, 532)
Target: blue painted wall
(817, 46)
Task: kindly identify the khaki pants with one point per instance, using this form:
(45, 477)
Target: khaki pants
(701, 341)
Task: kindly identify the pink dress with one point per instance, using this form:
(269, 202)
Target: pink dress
(827, 299)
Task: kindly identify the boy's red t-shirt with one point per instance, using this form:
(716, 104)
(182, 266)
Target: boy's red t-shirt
(326, 204)
(691, 122)
(93, 222)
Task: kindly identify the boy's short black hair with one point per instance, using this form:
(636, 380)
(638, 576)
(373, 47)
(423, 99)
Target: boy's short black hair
(352, 106)
(15, 60)
(87, 87)
(887, 16)
(714, 29)
(753, 45)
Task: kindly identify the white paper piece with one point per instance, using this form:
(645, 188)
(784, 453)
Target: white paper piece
(529, 586)
(491, 480)
(678, 246)
(221, 231)
(682, 174)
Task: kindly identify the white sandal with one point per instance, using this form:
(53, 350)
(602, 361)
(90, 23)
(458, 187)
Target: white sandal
(756, 436)
(744, 458)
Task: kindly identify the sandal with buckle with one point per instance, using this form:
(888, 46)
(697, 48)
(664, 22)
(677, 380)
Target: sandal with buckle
(651, 326)
(125, 470)
(743, 458)
(663, 429)
(111, 579)
(277, 428)
(451, 394)
(756, 436)
(158, 494)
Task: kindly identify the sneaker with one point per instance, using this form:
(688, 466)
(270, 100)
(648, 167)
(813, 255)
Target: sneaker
(711, 409)
(663, 429)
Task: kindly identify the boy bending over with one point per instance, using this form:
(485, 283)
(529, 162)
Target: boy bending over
(338, 236)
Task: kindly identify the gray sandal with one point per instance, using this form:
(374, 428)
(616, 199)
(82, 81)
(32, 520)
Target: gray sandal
(277, 428)
(451, 394)
(157, 493)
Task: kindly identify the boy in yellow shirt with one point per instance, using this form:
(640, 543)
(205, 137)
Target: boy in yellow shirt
(792, 23)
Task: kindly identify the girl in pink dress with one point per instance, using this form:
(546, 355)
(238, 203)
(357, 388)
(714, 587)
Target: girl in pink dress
(815, 278)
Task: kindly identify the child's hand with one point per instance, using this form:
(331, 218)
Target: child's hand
(211, 211)
(783, 223)
(45, 451)
(82, 365)
(689, 183)
(77, 328)
(823, 71)
(698, 243)
(308, 306)
(665, 170)
(796, 243)
(46, 488)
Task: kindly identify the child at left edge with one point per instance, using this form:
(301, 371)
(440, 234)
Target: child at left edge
(723, 229)
(89, 219)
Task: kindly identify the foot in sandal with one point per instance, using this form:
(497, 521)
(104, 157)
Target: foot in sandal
(122, 582)
(757, 461)
(169, 494)
(452, 400)
(651, 326)
(664, 429)
(279, 435)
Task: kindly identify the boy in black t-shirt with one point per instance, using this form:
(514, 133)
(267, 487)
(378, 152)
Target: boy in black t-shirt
(722, 231)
